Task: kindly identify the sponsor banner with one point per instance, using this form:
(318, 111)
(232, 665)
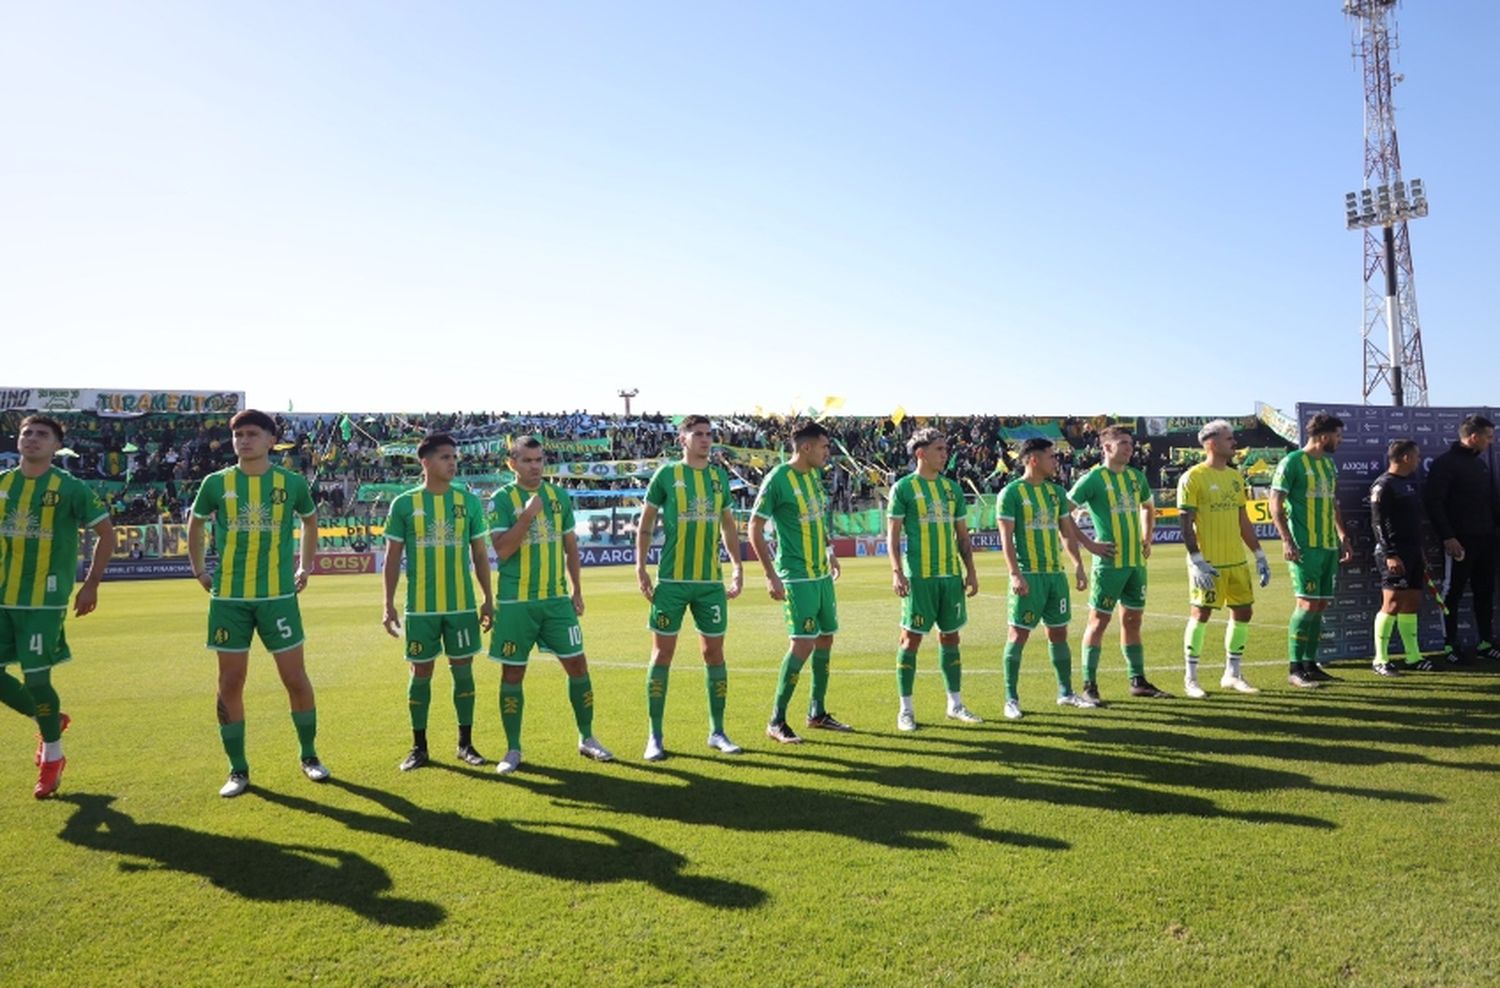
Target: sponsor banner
(1173, 536)
(1277, 421)
(1157, 425)
(143, 569)
(624, 555)
(121, 404)
(343, 563)
(500, 444)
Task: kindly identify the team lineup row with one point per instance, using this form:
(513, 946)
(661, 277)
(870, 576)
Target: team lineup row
(440, 536)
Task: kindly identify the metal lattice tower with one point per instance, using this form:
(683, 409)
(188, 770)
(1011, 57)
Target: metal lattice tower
(1390, 327)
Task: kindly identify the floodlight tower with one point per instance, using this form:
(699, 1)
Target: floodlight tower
(1392, 333)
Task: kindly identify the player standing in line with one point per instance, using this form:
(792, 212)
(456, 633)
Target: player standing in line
(692, 498)
(531, 525)
(928, 509)
(1035, 526)
(439, 529)
(1119, 501)
(254, 506)
(1396, 518)
(801, 574)
(41, 510)
(1216, 530)
(1305, 508)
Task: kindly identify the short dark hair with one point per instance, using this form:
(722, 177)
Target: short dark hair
(1036, 444)
(1114, 433)
(689, 421)
(48, 421)
(1399, 448)
(432, 442)
(255, 417)
(524, 442)
(1323, 423)
(1466, 428)
(807, 432)
(923, 438)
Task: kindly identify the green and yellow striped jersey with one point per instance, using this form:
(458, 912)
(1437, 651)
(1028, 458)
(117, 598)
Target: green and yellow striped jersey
(796, 502)
(1310, 484)
(39, 522)
(1114, 503)
(436, 531)
(255, 518)
(929, 511)
(1215, 495)
(538, 569)
(1036, 510)
(691, 503)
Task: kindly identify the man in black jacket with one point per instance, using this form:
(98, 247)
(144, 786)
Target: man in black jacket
(1464, 506)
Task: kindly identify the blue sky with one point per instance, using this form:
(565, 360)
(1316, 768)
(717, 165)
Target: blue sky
(952, 207)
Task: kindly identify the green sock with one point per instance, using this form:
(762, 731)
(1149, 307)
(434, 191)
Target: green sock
(1235, 637)
(419, 699)
(48, 706)
(953, 668)
(1407, 625)
(581, 695)
(1299, 634)
(512, 702)
(906, 672)
(1012, 669)
(1314, 636)
(1091, 654)
(1192, 638)
(307, 730)
(1135, 660)
(717, 679)
(786, 684)
(1061, 657)
(1384, 625)
(15, 696)
(656, 695)
(820, 662)
(463, 693)
(233, 736)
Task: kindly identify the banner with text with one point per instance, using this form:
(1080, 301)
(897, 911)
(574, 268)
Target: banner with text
(121, 404)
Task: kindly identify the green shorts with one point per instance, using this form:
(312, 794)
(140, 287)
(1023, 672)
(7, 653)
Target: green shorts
(1122, 585)
(431, 635)
(33, 636)
(232, 624)
(810, 609)
(548, 624)
(1313, 577)
(934, 602)
(1232, 588)
(1047, 602)
(709, 601)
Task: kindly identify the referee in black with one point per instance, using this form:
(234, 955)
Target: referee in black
(1396, 517)
(1464, 506)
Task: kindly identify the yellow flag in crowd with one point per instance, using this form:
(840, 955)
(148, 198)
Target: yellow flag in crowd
(898, 416)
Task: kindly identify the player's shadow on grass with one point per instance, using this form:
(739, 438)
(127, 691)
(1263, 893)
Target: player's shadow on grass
(567, 851)
(246, 866)
(704, 800)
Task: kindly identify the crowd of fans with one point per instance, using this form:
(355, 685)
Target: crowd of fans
(147, 468)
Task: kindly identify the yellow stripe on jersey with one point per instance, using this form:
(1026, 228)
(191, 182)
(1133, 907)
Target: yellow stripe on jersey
(418, 575)
(439, 575)
(544, 556)
(704, 569)
(229, 503)
(44, 545)
(278, 512)
(523, 582)
(807, 535)
(17, 560)
(919, 498)
(253, 540)
(679, 562)
(1114, 516)
(6, 547)
(462, 585)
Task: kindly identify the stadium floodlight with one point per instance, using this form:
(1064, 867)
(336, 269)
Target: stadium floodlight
(1387, 206)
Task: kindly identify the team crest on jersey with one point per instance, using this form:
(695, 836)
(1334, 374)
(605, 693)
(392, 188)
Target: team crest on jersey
(413, 648)
(221, 636)
(918, 620)
(662, 621)
(1029, 617)
(808, 624)
(278, 495)
(508, 649)
(51, 499)
(458, 510)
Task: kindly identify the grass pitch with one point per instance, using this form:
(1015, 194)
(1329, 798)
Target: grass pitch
(1340, 837)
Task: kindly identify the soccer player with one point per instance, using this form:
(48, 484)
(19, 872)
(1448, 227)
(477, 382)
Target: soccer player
(254, 506)
(692, 498)
(800, 575)
(1216, 530)
(1464, 504)
(1119, 501)
(1396, 517)
(928, 509)
(445, 528)
(1035, 526)
(41, 510)
(531, 525)
(1307, 516)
